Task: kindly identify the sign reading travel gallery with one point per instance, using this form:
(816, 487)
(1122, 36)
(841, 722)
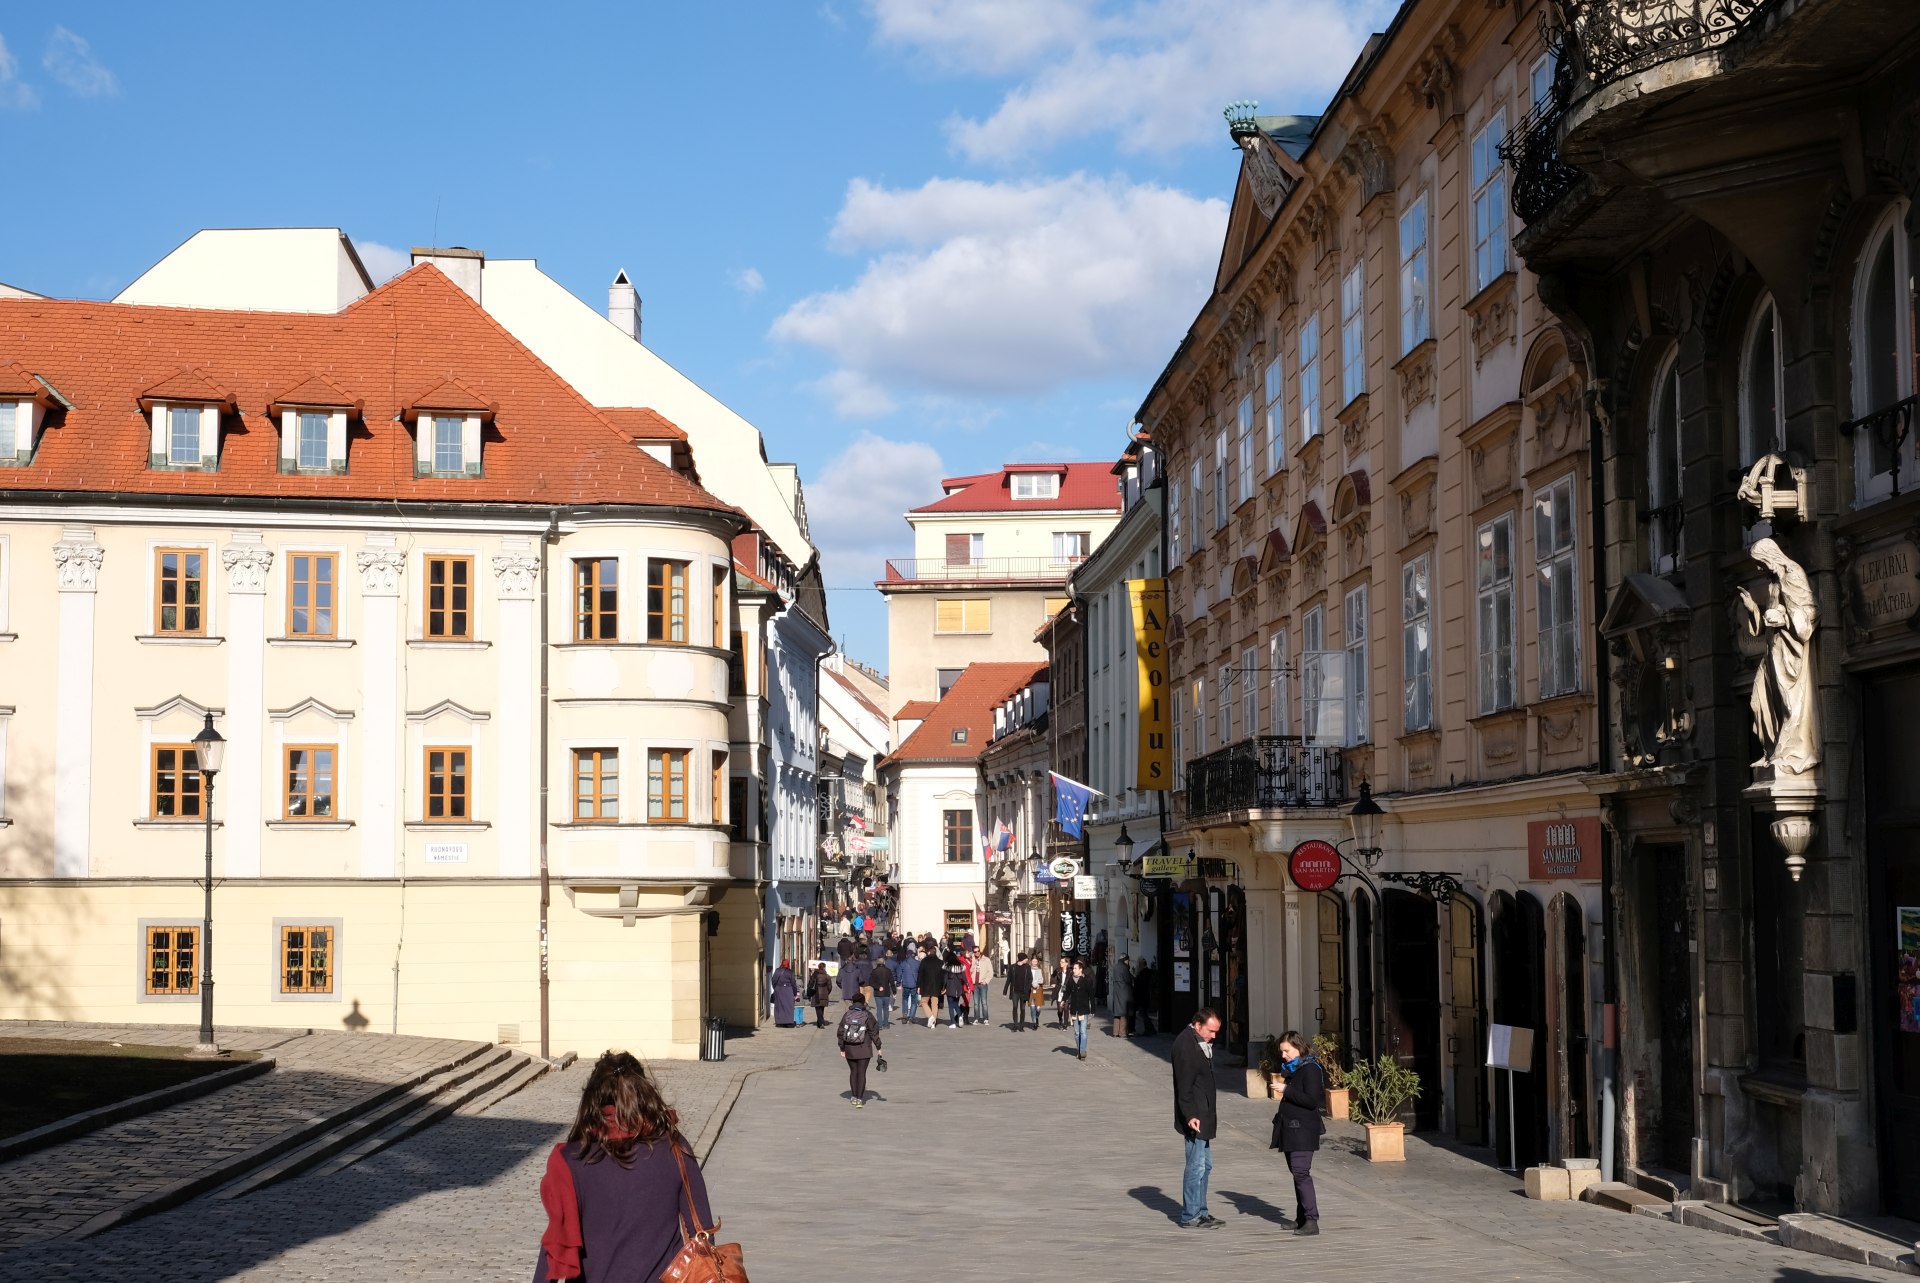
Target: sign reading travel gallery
(1314, 865)
(1564, 849)
(1166, 866)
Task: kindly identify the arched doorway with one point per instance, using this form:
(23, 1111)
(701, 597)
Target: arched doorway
(1572, 1062)
(1518, 934)
(1412, 992)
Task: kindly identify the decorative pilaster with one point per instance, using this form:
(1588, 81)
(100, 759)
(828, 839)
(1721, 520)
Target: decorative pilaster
(248, 562)
(516, 579)
(382, 573)
(77, 560)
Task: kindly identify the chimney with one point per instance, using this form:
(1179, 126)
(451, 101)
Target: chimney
(623, 306)
(462, 266)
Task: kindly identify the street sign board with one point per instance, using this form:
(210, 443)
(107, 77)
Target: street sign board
(1084, 887)
(1064, 867)
(1314, 865)
(1164, 866)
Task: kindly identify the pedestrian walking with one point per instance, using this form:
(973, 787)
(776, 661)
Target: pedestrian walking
(820, 989)
(1080, 999)
(880, 980)
(1037, 996)
(1123, 995)
(845, 947)
(1060, 994)
(619, 1189)
(786, 994)
(907, 973)
(1019, 988)
(1193, 1114)
(933, 984)
(859, 1038)
(1297, 1128)
(982, 986)
(955, 983)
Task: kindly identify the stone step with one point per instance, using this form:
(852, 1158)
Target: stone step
(1848, 1241)
(1725, 1218)
(501, 1079)
(341, 1132)
(1621, 1197)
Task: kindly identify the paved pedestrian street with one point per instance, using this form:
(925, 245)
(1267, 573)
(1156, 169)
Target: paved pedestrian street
(986, 1155)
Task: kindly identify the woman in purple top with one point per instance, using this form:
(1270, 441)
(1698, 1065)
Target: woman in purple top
(619, 1188)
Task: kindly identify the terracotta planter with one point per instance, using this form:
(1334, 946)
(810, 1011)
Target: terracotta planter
(1339, 1102)
(1258, 1084)
(1386, 1142)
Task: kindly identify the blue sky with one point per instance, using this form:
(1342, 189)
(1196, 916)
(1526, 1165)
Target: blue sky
(907, 238)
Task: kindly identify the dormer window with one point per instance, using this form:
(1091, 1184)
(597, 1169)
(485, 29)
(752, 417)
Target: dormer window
(10, 418)
(313, 427)
(25, 401)
(449, 445)
(185, 421)
(1036, 485)
(447, 431)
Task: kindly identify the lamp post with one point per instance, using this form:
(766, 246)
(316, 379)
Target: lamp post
(1123, 847)
(1364, 820)
(209, 748)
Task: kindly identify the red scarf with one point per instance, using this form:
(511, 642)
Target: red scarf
(562, 1241)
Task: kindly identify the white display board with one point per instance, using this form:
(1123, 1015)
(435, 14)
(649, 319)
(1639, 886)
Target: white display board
(1510, 1047)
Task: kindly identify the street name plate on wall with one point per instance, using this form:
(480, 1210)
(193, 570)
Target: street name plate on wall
(1886, 584)
(1564, 849)
(446, 853)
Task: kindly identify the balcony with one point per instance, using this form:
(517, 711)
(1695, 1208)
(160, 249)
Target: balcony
(978, 570)
(1265, 773)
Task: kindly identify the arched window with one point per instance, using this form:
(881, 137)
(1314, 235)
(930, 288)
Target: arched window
(1763, 426)
(1663, 469)
(1882, 355)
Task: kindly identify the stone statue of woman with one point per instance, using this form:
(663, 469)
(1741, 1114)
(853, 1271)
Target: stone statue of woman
(1783, 694)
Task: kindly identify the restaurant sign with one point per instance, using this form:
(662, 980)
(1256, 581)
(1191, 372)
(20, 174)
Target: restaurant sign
(1564, 849)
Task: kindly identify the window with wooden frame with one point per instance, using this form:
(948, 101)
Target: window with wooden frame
(311, 587)
(596, 785)
(449, 778)
(719, 793)
(666, 601)
(720, 576)
(596, 599)
(957, 836)
(180, 592)
(306, 959)
(310, 777)
(175, 782)
(963, 615)
(173, 954)
(449, 599)
(667, 786)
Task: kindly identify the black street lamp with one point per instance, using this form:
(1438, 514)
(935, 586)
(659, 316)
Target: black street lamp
(1364, 820)
(1123, 847)
(209, 748)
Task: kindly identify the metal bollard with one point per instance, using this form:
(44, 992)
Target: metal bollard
(713, 1045)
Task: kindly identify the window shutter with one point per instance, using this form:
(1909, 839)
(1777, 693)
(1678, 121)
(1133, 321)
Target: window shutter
(959, 550)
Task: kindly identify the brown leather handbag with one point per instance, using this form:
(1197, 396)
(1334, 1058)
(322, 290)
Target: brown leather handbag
(700, 1259)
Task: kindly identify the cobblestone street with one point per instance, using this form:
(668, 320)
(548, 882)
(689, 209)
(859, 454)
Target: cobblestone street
(989, 1155)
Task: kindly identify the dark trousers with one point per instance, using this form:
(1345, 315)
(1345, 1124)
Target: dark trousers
(1300, 1163)
(857, 1081)
(819, 1015)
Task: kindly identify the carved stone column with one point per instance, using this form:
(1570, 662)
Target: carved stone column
(382, 575)
(248, 562)
(77, 559)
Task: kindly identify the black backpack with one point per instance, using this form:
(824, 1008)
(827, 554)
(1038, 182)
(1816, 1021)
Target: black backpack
(853, 1027)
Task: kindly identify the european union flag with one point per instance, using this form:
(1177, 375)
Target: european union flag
(1070, 801)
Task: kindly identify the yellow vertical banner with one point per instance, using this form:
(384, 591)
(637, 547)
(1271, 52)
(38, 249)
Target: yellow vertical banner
(1148, 599)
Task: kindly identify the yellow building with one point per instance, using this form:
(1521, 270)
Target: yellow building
(467, 639)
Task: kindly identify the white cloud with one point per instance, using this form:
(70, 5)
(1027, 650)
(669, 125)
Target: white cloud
(383, 262)
(14, 92)
(984, 288)
(1152, 74)
(854, 395)
(749, 281)
(856, 504)
(69, 59)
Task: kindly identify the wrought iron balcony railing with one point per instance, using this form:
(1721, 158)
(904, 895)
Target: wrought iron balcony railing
(1532, 152)
(902, 570)
(1264, 773)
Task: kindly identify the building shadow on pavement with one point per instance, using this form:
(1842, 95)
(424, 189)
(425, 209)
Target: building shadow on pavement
(1794, 1274)
(1153, 1197)
(1254, 1205)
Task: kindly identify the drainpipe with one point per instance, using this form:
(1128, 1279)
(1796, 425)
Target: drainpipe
(547, 540)
(1603, 693)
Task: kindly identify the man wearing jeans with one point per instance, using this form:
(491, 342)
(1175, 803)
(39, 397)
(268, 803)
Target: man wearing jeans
(882, 982)
(1193, 1114)
(1080, 1006)
(907, 973)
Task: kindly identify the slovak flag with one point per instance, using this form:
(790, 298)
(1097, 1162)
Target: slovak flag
(1070, 801)
(1002, 836)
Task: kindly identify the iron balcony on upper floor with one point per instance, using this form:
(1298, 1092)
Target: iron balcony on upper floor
(943, 570)
(1265, 772)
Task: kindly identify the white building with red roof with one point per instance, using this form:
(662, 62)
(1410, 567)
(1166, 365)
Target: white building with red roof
(989, 565)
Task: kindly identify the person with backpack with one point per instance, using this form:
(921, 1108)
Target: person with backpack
(859, 1037)
(955, 981)
(880, 980)
(820, 989)
(1297, 1127)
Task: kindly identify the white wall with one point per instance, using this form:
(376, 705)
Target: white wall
(269, 269)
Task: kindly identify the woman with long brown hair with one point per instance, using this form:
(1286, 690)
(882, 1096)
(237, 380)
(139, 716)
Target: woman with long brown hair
(619, 1190)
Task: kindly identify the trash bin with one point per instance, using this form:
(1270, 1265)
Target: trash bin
(714, 1045)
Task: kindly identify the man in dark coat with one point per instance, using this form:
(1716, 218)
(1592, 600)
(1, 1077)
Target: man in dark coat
(820, 989)
(1080, 1000)
(954, 977)
(1193, 1114)
(1297, 1127)
(881, 980)
(1019, 989)
(932, 980)
(786, 988)
(845, 949)
(859, 1038)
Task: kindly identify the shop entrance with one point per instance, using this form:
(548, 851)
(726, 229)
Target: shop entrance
(1365, 1020)
(1572, 1072)
(1330, 1013)
(1519, 999)
(1413, 996)
(1891, 709)
(1467, 1033)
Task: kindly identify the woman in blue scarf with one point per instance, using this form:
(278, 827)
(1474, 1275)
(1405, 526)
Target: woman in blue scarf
(1297, 1127)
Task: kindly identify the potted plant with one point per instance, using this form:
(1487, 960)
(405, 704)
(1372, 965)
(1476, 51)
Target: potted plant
(1381, 1089)
(1260, 1077)
(1326, 1049)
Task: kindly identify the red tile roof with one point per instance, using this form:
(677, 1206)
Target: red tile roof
(915, 710)
(416, 333)
(449, 394)
(317, 391)
(1083, 486)
(187, 385)
(854, 691)
(643, 424)
(968, 704)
